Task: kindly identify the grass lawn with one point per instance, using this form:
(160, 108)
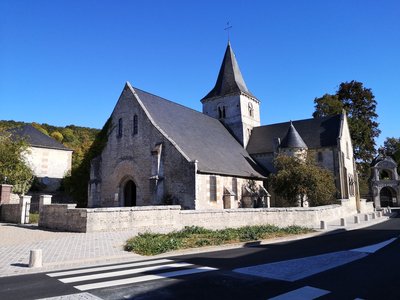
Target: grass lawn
(193, 237)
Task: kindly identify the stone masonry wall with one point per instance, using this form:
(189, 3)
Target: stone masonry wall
(169, 218)
(130, 156)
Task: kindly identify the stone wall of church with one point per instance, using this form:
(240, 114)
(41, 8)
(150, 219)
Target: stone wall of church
(133, 152)
(224, 185)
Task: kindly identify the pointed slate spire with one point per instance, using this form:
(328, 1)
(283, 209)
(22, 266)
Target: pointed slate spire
(292, 139)
(230, 79)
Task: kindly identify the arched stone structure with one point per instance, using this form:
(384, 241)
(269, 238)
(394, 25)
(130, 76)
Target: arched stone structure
(385, 183)
(128, 192)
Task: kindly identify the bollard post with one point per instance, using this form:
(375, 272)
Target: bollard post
(366, 217)
(389, 210)
(356, 219)
(323, 225)
(379, 214)
(35, 258)
(343, 222)
(373, 215)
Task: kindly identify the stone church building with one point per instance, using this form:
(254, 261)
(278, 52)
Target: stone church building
(159, 152)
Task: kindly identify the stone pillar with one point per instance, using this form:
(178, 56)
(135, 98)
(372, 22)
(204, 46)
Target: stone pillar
(44, 200)
(24, 204)
(5, 193)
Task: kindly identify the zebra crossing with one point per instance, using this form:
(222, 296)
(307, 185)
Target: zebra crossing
(127, 273)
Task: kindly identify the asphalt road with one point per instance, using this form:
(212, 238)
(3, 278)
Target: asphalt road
(332, 266)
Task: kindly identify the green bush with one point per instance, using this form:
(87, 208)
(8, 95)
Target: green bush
(193, 236)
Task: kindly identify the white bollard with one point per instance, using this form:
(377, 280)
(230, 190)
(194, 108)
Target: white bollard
(366, 217)
(373, 215)
(35, 258)
(323, 225)
(389, 210)
(379, 214)
(343, 222)
(356, 219)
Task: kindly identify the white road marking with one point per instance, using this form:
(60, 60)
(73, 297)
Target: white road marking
(375, 247)
(106, 268)
(295, 269)
(80, 296)
(111, 283)
(122, 273)
(304, 293)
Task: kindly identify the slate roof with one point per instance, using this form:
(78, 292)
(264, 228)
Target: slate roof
(200, 137)
(315, 132)
(230, 79)
(292, 139)
(35, 138)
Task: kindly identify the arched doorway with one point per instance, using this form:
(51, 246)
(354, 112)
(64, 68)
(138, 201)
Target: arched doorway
(388, 197)
(130, 193)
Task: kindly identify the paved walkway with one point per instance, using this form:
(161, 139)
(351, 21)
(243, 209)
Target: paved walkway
(63, 250)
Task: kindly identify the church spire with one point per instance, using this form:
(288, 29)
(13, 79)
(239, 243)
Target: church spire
(230, 80)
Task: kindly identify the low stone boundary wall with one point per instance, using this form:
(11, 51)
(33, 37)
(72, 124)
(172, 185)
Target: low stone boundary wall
(162, 219)
(16, 212)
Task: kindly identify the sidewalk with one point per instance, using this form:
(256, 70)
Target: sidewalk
(62, 250)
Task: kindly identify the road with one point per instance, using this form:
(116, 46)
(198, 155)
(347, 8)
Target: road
(359, 264)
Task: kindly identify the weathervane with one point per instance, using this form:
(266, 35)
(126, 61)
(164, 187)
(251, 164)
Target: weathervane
(227, 28)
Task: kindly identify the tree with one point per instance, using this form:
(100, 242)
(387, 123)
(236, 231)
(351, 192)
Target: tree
(391, 145)
(297, 178)
(360, 105)
(57, 136)
(13, 168)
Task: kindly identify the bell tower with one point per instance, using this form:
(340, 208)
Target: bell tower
(231, 102)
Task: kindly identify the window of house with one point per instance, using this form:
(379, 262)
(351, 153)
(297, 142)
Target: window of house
(320, 157)
(120, 127)
(135, 124)
(234, 188)
(251, 109)
(213, 188)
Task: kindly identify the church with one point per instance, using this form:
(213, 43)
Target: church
(159, 152)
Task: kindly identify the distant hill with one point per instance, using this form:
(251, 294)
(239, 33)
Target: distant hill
(74, 137)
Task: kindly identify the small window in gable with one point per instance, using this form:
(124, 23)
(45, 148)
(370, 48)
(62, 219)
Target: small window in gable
(221, 112)
(135, 124)
(120, 127)
(213, 188)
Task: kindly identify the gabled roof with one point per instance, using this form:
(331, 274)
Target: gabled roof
(292, 139)
(230, 79)
(315, 132)
(35, 138)
(199, 137)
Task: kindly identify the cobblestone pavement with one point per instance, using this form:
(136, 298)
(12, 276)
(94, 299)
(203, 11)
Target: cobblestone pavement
(60, 249)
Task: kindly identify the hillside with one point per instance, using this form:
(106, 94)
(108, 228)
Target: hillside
(74, 137)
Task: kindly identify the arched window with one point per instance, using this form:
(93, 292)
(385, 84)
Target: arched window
(235, 187)
(251, 109)
(213, 188)
(120, 127)
(135, 124)
(221, 112)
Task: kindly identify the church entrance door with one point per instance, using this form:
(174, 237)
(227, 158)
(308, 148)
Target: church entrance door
(388, 197)
(130, 193)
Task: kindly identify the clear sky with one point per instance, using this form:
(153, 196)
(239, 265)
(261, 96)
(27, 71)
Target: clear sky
(66, 61)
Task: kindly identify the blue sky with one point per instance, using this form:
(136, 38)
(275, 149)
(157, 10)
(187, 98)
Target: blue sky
(66, 62)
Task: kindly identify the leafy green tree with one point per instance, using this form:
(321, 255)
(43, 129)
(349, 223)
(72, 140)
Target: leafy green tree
(360, 105)
(13, 168)
(391, 145)
(296, 179)
(40, 128)
(57, 136)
